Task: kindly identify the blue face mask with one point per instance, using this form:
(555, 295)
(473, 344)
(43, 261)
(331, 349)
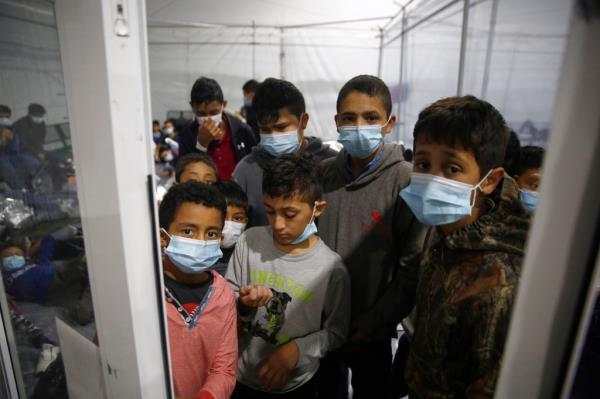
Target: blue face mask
(361, 141)
(247, 102)
(529, 199)
(193, 256)
(309, 230)
(279, 144)
(37, 119)
(436, 200)
(5, 122)
(13, 263)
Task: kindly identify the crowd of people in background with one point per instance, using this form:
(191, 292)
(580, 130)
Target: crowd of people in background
(289, 266)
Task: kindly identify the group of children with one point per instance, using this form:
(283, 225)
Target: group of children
(342, 248)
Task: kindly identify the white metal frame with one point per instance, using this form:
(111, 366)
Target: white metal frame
(104, 56)
(542, 348)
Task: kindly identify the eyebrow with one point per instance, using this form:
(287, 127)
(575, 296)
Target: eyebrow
(186, 225)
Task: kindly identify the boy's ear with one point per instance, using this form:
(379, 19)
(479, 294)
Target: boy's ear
(335, 119)
(164, 238)
(303, 121)
(495, 177)
(388, 128)
(320, 207)
(224, 104)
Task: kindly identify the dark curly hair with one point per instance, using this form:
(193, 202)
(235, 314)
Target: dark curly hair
(291, 174)
(273, 95)
(233, 193)
(531, 157)
(195, 192)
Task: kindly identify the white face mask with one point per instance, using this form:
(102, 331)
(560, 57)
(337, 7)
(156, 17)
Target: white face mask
(216, 118)
(169, 130)
(231, 232)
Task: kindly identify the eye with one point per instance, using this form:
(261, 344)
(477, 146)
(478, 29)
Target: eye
(421, 166)
(290, 215)
(213, 235)
(453, 169)
(187, 232)
(372, 118)
(239, 219)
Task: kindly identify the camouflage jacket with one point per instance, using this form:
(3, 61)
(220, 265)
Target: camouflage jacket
(467, 285)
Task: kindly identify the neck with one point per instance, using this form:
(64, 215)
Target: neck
(174, 273)
(357, 165)
(296, 249)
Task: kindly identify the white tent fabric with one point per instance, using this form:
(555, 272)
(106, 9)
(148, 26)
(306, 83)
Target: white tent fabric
(516, 67)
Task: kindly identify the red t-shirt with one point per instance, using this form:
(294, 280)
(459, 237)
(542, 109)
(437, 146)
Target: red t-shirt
(222, 152)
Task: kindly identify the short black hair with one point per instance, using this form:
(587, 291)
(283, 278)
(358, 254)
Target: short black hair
(193, 191)
(369, 85)
(5, 109)
(532, 157)
(193, 157)
(408, 155)
(250, 86)
(35, 108)
(14, 242)
(466, 122)
(155, 122)
(206, 90)
(273, 95)
(172, 122)
(513, 153)
(233, 193)
(288, 174)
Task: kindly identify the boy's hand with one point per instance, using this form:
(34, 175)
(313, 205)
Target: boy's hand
(255, 296)
(208, 132)
(277, 368)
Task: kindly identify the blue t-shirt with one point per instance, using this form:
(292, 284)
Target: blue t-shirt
(31, 283)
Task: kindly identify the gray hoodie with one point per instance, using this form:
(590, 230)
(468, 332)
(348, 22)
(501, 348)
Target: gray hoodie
(375, 232)
(249, 174)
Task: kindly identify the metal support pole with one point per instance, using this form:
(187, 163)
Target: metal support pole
(488, 51)
(281, 55)
(463, 48)
(380, 61)
(400, 120)
(253, 50)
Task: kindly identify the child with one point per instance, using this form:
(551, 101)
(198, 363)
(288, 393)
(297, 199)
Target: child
(25, 281)
(472, 261)
(226, 139)
(375, 233)
(201, 314)
(282, 119)
(293, 290)
(235, 221)
(196, 167)
(529, 174)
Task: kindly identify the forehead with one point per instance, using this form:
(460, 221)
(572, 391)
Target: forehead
(207, 105)
(9, 251)
(198, 168)
(280, 202)
(532, 173)
(426, 147)
(283, 116)
(190, 213)
(358, 103)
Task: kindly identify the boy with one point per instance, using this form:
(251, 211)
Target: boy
(282, 119)
(226, 139)
(472, 260)
(247, 112)
(293, 291)
(375, 233)
(196, 167)
(200, 306)
(529, 174)
(235, 220)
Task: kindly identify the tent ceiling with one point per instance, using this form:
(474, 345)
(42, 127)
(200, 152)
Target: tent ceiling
(269, 12)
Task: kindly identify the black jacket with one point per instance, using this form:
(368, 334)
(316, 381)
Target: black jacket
(31, 135)
(241, 134)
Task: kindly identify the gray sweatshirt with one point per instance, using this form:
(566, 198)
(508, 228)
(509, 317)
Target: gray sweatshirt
(311, 304)
(376, 234)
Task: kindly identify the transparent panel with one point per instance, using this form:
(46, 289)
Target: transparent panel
(431, 63)
(42, 253)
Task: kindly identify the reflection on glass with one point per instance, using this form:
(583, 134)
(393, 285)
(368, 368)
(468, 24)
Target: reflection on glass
(42, 255)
